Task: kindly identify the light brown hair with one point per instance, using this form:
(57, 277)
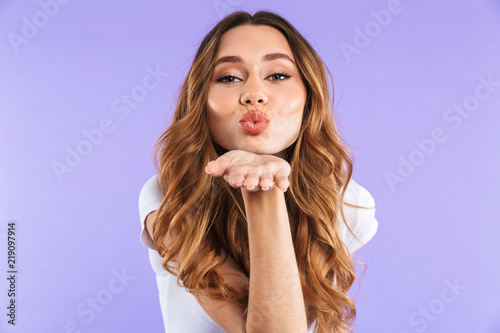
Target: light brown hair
(208, 214)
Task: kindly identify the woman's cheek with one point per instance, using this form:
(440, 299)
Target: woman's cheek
(219, 104)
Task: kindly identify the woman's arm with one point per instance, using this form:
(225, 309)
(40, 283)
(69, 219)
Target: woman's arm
(276, 302)
(227, 316)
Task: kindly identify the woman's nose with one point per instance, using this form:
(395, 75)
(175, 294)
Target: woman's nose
(253, 93)
(253, 98)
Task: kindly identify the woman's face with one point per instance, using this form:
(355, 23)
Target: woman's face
(255, 71)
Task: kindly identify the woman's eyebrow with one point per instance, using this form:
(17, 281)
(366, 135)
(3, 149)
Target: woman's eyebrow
(267, 57)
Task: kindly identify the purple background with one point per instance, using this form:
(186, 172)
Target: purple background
(439, 224)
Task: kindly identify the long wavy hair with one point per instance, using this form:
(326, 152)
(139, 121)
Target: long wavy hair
(206, 214)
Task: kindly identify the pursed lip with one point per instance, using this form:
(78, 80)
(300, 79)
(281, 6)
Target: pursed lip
(254, 117)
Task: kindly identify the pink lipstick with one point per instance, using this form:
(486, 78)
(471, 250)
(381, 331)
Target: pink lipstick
(254, 122)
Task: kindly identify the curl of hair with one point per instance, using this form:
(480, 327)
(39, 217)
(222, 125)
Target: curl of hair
(206, 214)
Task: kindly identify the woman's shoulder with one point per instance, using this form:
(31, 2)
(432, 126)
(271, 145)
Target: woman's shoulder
(358, 195)
(150, 196)
(361, 221)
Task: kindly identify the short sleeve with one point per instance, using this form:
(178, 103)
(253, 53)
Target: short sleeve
(361, 221)
(150, 199)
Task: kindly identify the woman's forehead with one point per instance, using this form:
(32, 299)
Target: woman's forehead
(250, 40)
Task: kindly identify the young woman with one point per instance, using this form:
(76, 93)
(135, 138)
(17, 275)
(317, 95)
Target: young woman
(253, 218)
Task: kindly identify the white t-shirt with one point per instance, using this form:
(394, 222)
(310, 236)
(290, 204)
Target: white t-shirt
(180, 310)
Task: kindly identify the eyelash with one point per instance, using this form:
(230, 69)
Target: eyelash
(225, 76)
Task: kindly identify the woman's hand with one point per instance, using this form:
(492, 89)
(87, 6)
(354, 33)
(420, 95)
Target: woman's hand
(254, 172)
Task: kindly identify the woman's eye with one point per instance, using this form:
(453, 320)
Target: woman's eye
(278, 75)
(230, 79)
(227, 77)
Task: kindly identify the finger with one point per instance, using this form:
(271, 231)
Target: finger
(282, 180)
(252, 181)
(218, 167)
(255, 189)
(235, 179)
(266, 181)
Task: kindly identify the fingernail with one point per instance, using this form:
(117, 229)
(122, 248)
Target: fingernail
(251, 188)
(265, 188)
(207, 170)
